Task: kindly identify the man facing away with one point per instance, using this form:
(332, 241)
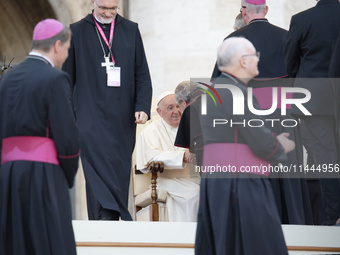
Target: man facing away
(311, 37)
(237, 213)
(239, 22)
(112, 92)
(189, 136)
(156, 143)
(40, 148)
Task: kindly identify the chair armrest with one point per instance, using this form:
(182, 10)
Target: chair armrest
(138, 171)
(155, 167)
(152, 167)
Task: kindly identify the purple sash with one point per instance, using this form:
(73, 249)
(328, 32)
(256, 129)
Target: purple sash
(234, 157)
(265, 97)
(30, 148)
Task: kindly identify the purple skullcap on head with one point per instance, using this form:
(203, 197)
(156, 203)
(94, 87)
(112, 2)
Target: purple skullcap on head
(256, 2)
(46, 29)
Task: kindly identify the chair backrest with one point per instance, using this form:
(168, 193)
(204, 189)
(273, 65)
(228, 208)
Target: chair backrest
(141, 182)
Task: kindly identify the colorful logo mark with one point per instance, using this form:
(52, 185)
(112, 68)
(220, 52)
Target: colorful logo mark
(209, 93)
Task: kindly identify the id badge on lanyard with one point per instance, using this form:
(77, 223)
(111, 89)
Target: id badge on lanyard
(113, 77)
(113, 72)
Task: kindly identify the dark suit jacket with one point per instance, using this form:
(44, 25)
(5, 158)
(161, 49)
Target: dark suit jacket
(270, 41)
(308, 51)
(334, 67)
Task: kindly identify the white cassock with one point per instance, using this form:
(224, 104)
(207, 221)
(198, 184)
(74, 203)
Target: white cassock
(156, 143)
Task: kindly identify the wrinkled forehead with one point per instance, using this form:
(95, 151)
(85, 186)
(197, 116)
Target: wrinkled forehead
(168, 101)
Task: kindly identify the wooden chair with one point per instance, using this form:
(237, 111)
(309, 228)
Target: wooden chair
(152, 200)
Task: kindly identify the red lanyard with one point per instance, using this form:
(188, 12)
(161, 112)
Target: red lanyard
(104, 36)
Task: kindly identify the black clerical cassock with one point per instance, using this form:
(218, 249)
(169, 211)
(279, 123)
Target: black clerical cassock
(40, 154)
(237, 213)
(291, 193)
(105, 114)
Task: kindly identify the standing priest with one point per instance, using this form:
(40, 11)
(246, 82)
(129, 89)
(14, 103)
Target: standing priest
(39, 149)
(290, 190)
(237, 213)
(112, 92)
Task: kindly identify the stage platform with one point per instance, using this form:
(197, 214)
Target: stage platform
(164, 238)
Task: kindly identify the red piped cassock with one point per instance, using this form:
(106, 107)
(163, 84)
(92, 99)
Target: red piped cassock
(40, 149)
(237, 213)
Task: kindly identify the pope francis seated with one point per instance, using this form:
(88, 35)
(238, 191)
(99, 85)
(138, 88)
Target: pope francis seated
(156, 143)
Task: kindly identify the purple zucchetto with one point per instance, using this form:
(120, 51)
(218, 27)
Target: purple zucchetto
(46, 29)
(256, 2)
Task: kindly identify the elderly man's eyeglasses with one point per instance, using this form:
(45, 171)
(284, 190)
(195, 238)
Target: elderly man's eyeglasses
(243, 7)
(257, 54)
(103, 8)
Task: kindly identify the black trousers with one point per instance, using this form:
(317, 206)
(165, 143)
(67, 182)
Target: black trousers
(319, 139)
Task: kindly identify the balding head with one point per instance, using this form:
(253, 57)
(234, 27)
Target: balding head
(237, 56)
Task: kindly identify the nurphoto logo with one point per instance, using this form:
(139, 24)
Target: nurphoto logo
(238, 100)
(282, 101)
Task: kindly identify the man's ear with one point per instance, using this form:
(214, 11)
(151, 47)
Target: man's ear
(57, 46)
(159, 111)
(243, 62)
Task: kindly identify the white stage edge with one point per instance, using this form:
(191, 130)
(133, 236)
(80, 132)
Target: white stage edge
(155, 238)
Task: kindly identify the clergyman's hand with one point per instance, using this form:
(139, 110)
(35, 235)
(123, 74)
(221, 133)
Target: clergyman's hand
(186, 157)
(288, 145)
(141, 117)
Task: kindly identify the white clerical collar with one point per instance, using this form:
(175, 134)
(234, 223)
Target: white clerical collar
(172, 130)
(33, 53)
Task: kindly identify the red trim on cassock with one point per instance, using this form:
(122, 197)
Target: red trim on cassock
(270, 79)
(71, 156)
(182, 146)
